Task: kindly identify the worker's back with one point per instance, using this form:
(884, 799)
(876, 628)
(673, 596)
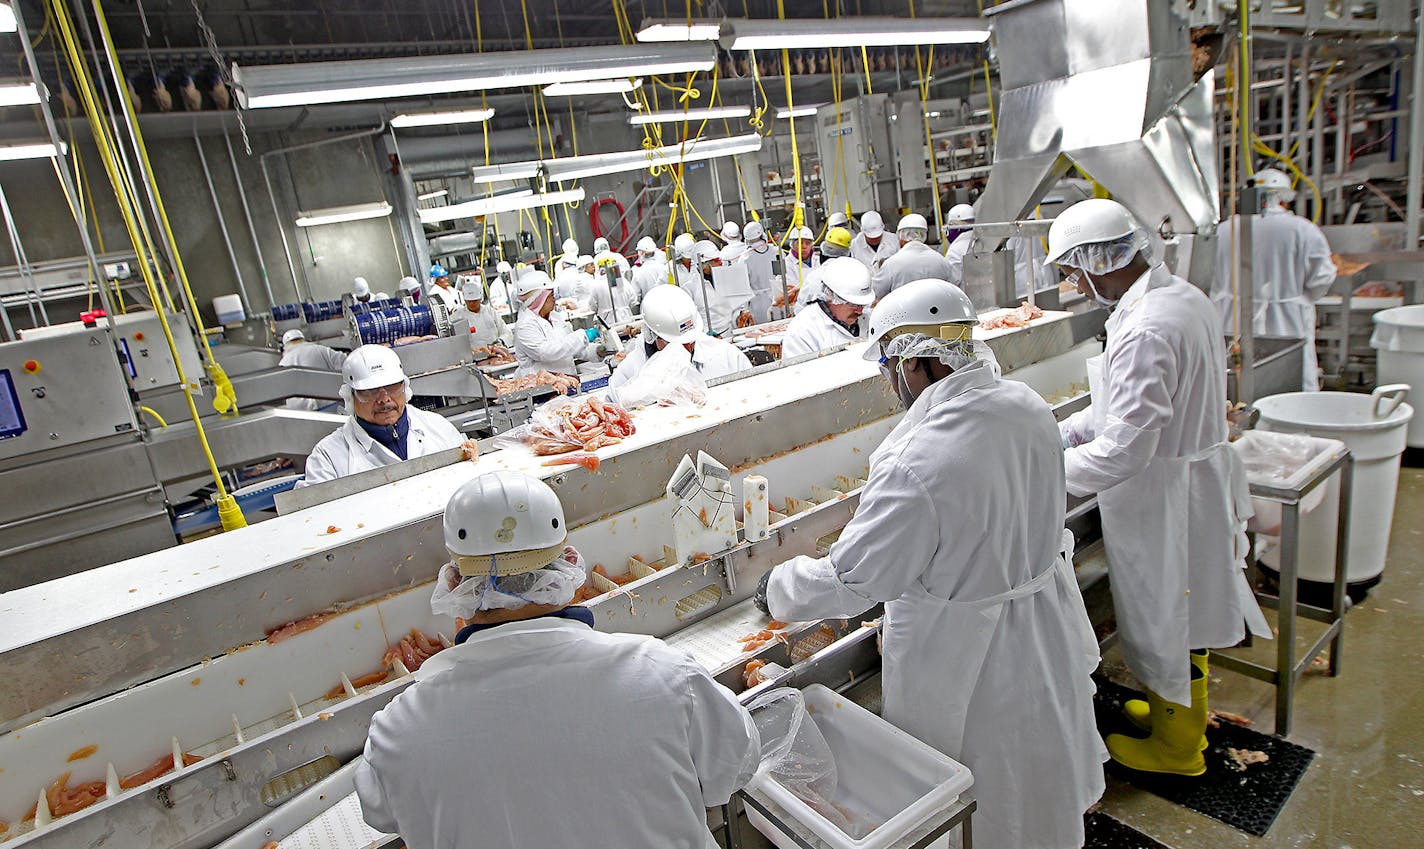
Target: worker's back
(546, 733)
(1290, 261)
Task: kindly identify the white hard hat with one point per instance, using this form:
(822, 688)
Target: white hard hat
(410, 284)
(754, 231)
(381, 296)
(960, 213)
(684, 245)
(532, 281)
(584, 259)
(837, 219)
(925, 305)
(504, 523)
(646, 245)
(733, 252)
(600, 245)
(706, 251)
(472, 289)
(671, 315)
(293, 336)
(570, 247)
(798, 234)
(849, 280)
(372, 366)
(872, 225)
(1271, 179)
(731, 230)
(503, 267)
(1088, 222)
(913, 221)
(360, 288)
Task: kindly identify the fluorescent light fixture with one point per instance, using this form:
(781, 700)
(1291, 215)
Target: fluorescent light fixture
(507, 171)
(308, 83)
(440, 119)
(672, 115)
(438, 193)
(7, 18)
(656, 30)
(593, 87)
(15, 91)
(692, 150)
(799, 111)
(524, 199)
(801, 33)
(31, 150)
(338, 214)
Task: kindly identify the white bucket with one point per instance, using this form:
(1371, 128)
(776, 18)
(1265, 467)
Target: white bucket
(229, 309)
(1398, 341)
(1373, 427)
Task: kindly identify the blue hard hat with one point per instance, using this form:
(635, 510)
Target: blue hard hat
(438, 270)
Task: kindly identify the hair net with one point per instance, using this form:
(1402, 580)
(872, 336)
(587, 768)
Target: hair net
(955, 353)
(1106, 257)
(914, 234)
(831, 251)
(554, 584)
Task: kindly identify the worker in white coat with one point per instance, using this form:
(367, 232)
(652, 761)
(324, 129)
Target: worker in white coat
(410, 289)
(835, 317)
(576, 283)
(487, 329)
(1029, 268)
(987, 648)
(1171, 491)
(441, 288)
(604, 255)
(671, 318)
(799, 267)
(731, 232)
(1291, 269)
(872, 246)
(838, 219)
(761, 270)
(381, 429)
(835, 245)
(542, 341)
(650, 270)
(297, 352)
(361, 290)
(914, 261)
(610, 299)
(491, 746)
(568, 259)
(694, 276)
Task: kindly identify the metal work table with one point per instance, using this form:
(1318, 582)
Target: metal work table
(1287, 669)
(1378, 266)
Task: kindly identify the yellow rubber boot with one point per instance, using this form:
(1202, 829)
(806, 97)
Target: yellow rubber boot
(1139, 712)
(1177, 731)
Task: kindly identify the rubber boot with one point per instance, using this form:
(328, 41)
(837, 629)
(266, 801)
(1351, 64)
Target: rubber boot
(1177, 731)
(1139, 712)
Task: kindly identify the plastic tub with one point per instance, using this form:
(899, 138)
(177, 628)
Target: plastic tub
(881, 771)
(1398, 341)
(229, 309)
(1373, 427)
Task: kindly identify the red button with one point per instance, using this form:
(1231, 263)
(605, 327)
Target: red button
(138, 337)
(32, 366)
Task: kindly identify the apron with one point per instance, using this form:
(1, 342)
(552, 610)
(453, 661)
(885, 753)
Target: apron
(1295, 318)
(1163, 529)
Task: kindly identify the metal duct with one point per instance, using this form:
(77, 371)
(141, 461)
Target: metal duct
(1106, 85)
(416, 152)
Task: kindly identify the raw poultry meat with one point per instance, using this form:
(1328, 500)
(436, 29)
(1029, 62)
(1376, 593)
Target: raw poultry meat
(1017, 317)
(560, 383)
(588, 424)
(495, 355)
(588, 461)
(413, 650)
(160, 767)
(301, 626)
(751, 676)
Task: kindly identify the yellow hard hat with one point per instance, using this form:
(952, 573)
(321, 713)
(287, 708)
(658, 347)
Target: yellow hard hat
(838, 236)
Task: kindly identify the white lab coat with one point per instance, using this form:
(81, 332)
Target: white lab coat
(988, 650)
(765, 285)
(805, 278)
(1028, 263)
(1291, 270)
(874, 257)
(615, 310)
(575, 285)
(548, 344)
(625, 271)
(546, 733)
(486, 328)
(350, 449)
(1172, 493)
(914, 261)
(450, 297)
(955, 253)
(650, 274)
(712, 357)
(709, 301)
(314, 356)
(814, 330)
(564, 262)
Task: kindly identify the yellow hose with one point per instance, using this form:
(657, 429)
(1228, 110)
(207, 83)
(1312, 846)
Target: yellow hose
(154, 413)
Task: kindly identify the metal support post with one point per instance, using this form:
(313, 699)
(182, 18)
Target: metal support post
(1414, 195)
(247, 214)
(222, 225)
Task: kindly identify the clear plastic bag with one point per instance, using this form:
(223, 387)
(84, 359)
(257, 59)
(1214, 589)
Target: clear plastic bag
(668, 379)
(579, 423)
(1273, 459)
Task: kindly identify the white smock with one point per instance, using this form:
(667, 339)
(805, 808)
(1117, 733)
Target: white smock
(717, 311)
(542, 344)
(313, 356)
(449, 297)
(350, 449)
(1291, 269)
(575, 285)
(988, 650)
(814, 330)
(874, 257)
(1028, 263)
(712, 357)
(498, 743)
(565, 262)
(805, 278)
(1172, 493)
(955, 254)
(486, 327)
(914, 261)
(612, 309)
(625, 271)
(649, 274)
(764, 283)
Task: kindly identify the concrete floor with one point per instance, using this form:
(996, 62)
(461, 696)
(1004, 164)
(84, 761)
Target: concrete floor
(1365, 787)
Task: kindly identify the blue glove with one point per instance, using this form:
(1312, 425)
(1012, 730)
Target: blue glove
(592, 334)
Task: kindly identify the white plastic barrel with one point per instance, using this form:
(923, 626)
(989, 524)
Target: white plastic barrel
(1373, 427)
(1398, 341)
(229, 309)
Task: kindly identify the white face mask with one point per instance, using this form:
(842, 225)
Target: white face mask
(1105, 302)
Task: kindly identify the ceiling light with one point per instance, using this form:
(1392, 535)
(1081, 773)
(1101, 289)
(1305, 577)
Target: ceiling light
(308, 83)
(338, 214)
(593, 87)
(440, 119)
(692, 150)
(524, 199)
(7, 19)
(799, 111)
(670, 116)
(15, 91)
(669, 29)
(438, 193)
(508, 171)
(851, 32)
(30, 150)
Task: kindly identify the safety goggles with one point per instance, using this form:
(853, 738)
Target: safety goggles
(1072, 276)
(366, 396)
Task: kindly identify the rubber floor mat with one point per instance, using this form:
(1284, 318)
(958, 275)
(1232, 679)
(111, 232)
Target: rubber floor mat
(1104, 832)
(1247, 798)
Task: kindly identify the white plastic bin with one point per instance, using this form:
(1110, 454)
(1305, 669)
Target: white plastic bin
(1398, 341)
(229, 309)
(881, 771)
(1373, 427)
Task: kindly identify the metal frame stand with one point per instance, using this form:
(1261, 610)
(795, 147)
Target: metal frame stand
(1287, 669)
(960, 816)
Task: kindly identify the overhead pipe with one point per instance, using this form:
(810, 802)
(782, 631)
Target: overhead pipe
(251, 228)
(222, 226)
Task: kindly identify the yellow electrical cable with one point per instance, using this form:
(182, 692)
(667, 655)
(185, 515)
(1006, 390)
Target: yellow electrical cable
(154, 413)
(1315, 101)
